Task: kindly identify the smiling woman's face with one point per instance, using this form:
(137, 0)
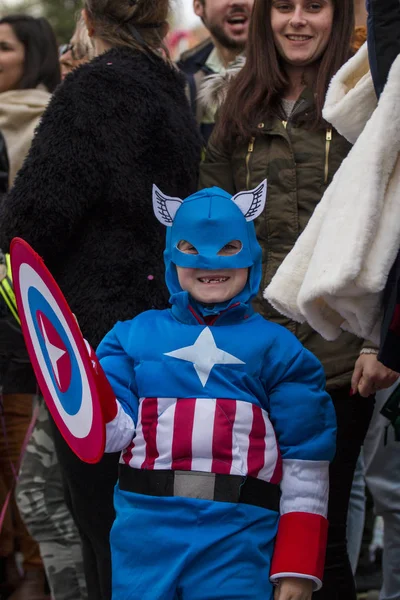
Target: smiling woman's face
(12, 59)
(301, 29)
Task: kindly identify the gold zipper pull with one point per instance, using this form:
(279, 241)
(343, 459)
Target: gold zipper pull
(328, 139)
(250, 149)
(284, 123)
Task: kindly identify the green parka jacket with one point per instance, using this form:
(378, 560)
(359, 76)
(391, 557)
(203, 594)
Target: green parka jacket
(299, 163)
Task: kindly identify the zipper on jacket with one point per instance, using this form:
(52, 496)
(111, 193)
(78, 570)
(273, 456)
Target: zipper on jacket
(328, 139)
(248, 156)
(296, 109)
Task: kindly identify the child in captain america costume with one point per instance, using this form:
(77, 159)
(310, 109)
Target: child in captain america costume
(223, 421)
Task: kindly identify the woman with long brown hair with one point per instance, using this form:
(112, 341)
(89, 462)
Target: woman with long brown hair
(271, 126)
(116, 126)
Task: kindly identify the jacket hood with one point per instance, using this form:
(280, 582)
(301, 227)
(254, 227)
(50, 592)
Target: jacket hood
(209, 220)
(214, 88)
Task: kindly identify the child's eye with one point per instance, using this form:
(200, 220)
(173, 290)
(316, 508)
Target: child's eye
(186, 247)
(231, 248)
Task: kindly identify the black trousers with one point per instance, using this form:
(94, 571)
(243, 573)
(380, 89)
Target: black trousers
(353, 414)
(89, 496)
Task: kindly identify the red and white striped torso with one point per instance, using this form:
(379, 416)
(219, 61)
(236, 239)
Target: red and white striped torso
(205, 434)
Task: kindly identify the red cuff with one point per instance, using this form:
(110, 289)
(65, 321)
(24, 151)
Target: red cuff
(300, 545)
(109, 406)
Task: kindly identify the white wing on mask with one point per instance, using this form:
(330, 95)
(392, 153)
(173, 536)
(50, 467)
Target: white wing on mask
(252, 203)
(165, 207)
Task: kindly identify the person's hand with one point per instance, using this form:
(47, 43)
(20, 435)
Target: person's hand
(293, 588)
(370, 375)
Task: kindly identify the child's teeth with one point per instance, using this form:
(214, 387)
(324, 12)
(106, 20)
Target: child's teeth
(213, 280)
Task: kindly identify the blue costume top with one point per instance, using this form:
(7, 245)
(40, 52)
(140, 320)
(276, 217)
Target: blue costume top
(220, 389)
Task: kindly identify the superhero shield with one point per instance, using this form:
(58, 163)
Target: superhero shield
(65, 373)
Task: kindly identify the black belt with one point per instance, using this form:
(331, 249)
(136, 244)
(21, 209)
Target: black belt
(196, 484)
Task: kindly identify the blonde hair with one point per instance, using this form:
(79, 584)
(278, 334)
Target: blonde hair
(82, 43)
(136, 24)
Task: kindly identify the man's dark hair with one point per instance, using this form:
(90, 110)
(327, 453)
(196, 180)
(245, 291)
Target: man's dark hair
(41, 64)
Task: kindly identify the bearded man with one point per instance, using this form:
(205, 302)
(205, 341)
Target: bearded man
(227, 22)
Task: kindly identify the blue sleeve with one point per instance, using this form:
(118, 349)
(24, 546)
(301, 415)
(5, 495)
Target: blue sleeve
(383, 39)
(119, 368)
(301, 411)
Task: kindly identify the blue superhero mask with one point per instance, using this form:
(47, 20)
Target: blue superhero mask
(208, 220)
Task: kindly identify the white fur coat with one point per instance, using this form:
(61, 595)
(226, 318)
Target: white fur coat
(335, 274)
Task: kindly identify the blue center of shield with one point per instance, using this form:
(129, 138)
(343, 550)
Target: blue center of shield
(57, 351)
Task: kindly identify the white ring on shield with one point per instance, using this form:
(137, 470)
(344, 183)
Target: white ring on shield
(79, 424)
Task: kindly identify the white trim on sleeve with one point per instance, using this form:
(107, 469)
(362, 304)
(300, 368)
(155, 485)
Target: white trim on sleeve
(317, 583)
(305, 486)
(120, 431)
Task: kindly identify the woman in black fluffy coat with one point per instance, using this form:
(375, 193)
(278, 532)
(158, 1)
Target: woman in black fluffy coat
(83, 201)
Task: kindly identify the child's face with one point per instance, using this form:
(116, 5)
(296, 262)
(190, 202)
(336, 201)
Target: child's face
(211, 287)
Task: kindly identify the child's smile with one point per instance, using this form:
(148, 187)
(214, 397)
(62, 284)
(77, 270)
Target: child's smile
(212, 287)
(213, 280)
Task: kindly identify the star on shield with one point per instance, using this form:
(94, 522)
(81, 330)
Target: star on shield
(204, 354)
(55, 353)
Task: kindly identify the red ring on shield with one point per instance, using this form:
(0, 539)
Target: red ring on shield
(84, 432)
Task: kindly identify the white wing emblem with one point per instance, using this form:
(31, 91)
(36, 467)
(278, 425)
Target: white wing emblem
(252, 202)
(165, 207)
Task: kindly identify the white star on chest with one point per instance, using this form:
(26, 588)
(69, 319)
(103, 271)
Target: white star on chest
(54, 352)
(204, 354)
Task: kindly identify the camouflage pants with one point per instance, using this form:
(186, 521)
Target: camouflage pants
(40, 498)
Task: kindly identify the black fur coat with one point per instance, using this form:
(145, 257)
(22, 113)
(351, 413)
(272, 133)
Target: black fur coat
(83, 197)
